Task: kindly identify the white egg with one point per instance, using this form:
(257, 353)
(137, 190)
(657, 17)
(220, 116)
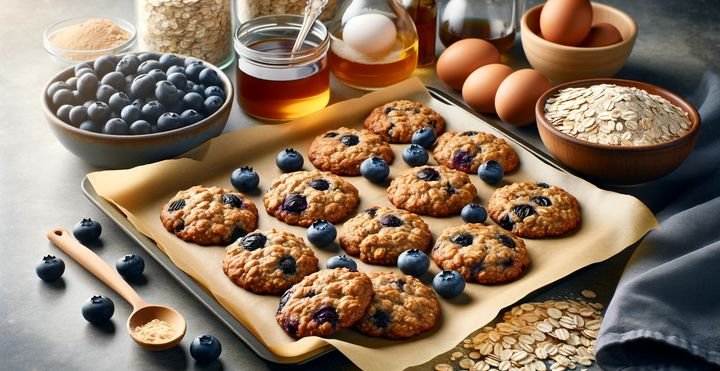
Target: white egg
(371, 34)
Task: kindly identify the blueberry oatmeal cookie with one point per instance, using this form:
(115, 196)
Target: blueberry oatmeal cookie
(340, 151)
(396, 121)
(431, 190)
(268, 262)
(402, 307)
(302, 197)
(209, 215)
(467, 150)
(534, 210)
(480, 253)
(380, 234)
(323, 302)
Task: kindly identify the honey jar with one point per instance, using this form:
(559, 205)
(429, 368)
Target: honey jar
(272, 82)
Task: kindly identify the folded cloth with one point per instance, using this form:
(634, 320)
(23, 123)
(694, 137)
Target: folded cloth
(665, 313)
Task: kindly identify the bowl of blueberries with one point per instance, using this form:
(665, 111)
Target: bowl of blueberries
(138, 108)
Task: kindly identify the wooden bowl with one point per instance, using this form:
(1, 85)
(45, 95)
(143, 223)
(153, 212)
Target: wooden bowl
(561, 63)
(620, 165)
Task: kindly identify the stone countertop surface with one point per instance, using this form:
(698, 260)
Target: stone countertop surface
(41, 324)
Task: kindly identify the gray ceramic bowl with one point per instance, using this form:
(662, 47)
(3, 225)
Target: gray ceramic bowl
(124, 151)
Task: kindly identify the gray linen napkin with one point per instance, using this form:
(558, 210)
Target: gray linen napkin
(665, 313)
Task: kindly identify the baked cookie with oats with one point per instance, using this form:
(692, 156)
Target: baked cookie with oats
(324, 302)
(534, 210)
(302, 197)
(380, 234)
(209, 215)
(402, 307)
(268, 262)
(396, 121)
(431, 190)
(480, 253)
(340, 151)
(467, 150)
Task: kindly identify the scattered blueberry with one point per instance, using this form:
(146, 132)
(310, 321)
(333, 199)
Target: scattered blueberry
(473, 213)
(130, 266)
(415, 155)
(413, 262)
(140, 127)
(321, 233)
(375, 169)
(289, 160)
(424, 137)
(117, 126)
(87, 230)
(244, 179)
(50, 268)
(205, 348)
(341, 261)
(448, 284)
(491, 172)
(212, 104)
(98, 309)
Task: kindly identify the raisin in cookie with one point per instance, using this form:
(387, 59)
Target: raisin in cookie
(480, 253)
(534, 210)
(268, 262)
(402, 307)
(323, 302)
(380, 234)
(466, 151)
(302, 197)
(209, 215)
(431, 190)
(396, 121)
(340, 151)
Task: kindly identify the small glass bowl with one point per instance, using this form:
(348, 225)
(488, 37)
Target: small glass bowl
(72, 56)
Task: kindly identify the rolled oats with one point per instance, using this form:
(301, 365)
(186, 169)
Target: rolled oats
(248, 9)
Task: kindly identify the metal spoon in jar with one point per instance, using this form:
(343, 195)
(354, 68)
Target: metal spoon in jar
(143, 312)
(313, 9)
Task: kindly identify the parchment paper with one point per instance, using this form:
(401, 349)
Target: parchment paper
(610, 223)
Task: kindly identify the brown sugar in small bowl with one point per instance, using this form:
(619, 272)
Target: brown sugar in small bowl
(618, 165)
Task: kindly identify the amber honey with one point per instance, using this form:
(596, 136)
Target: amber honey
(369, 74)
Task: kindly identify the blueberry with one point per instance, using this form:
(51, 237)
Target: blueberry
(178, 79)
(506, 222)
(176, 69)
(319, 184)
(372, 211)
(144, 57)
(152, 110)
(541, 201)
(99, 112)
(195, 101)
(169, 121)
(413, 262)
(157, 74)
(330, 134)
(196, 88)
(462, 160)
(166, 93)
(72, 83)
(82, 72)
(50, 268)
(104, 93)
(139, 103)
(104, 65)
(140, 127)
(92, 126)
(190, 117)
(130, 266)
(212, 104)
(244, 179)
(62, 97)
(390, 220)
(287, 265)
(349, 140)
(143, 86)
(415, 155)
(63, 113)
(81, 66)
(54, 87)
(189, 60)
(114, 79)
(543, 185)
(214, 91)
(321, 233)
(147, 66)
(130, 113)
(193, 70)
(205, 348)
(491, 172)
(380, 319)
(117, 126)
(128, 64)
(118, 101)
(98, 309)
(87, 230)
(168, 60)
(233, 200)
(253, 241)
(289, 160)
(326, 315)
(468, 133)
(375, 169)
(424, 137)
(473, 213)
(428, 174)
(523, 211)
(463, 239)
(448, 284)
(78, 115)
(506, 240)
(87, 85)
(209, 77)
(341, 261)
(294, 203)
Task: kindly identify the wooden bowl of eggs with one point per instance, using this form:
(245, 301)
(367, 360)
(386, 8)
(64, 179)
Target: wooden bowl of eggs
(617, 131)
(576, 39)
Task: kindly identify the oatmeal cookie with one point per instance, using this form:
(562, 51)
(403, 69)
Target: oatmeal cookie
(467, 150)
(534, 210)
(431, 190)
(323, 302)
(340, 151)
(268, 262)
(380, 234)
(402, 307)
(302, 197)
(396, 121)
(209, 215)
(480, 253)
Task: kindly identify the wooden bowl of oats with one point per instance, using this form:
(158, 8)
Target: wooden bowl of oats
(617, 131)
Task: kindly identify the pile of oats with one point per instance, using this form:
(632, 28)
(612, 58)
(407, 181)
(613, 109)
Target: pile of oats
(616, 115)
(249, 9)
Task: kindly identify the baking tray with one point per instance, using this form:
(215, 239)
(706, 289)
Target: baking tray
(212, 305)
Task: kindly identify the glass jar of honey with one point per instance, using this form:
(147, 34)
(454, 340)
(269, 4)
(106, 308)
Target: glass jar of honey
(272, 82)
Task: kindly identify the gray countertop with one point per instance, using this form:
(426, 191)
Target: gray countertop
(41, 324)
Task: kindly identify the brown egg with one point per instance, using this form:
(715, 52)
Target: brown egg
(480, 87)
(602, 34)
(460, 59)
(566, 22)
(517, 94)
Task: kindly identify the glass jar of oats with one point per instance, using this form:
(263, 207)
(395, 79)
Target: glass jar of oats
(196, 28)
(249, 9)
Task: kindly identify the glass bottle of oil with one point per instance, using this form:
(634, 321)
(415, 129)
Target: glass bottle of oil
(491, 20)
(424, 13)
(373, 43)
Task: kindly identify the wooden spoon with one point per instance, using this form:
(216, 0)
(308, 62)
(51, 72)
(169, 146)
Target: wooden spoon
(142, 311)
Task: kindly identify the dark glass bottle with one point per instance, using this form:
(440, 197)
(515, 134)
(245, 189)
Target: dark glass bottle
(424, 14)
